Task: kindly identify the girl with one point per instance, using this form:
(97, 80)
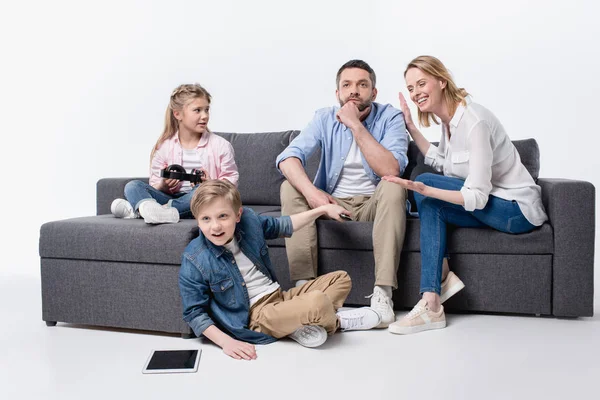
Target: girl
(484, 182)
(187, 141)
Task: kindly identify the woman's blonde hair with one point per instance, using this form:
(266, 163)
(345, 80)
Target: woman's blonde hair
(179, 98)
(215, 189)
(452, 94)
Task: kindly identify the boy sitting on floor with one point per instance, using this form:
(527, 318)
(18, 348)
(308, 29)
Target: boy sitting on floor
(229, 290)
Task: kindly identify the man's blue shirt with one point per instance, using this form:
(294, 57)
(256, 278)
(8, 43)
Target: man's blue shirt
(384, 122)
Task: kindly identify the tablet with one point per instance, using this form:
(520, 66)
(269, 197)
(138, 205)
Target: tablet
(172, 361)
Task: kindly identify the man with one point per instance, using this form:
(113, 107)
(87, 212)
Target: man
(360, 142)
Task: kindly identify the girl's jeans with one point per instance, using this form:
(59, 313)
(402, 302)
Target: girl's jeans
(138, 191)
(500, 214)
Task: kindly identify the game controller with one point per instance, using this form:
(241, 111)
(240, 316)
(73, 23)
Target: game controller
(176, 171)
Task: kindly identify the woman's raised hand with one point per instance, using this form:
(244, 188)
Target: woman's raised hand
(406, 111)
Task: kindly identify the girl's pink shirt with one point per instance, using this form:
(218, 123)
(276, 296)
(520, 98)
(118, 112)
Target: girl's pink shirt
(217, 157)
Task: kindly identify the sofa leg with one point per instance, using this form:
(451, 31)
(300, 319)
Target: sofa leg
(50, 323)
(188, 335)
(538, 315)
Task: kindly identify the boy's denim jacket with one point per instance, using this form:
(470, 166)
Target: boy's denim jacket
(212, 288)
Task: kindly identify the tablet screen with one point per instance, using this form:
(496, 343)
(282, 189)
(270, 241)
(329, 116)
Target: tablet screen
(172, 361)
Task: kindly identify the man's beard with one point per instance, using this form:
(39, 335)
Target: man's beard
(362, 105)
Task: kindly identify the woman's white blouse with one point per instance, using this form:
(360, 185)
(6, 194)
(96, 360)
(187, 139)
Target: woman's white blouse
(480, 152)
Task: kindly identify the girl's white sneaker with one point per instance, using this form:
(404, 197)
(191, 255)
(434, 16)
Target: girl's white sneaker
(121, 208)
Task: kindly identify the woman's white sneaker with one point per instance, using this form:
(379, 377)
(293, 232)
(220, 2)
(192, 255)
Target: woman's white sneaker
(421, 318)
(450, 286)
(309, 335)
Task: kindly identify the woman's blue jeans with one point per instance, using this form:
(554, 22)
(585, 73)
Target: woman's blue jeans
(138, 191)
(435, 215)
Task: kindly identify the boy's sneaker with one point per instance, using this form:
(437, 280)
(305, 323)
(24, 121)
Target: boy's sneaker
(309, 335)
(121, 208)
(384, 306)
(450, 286)
(360, 319)
(154, 213)
(421, 318)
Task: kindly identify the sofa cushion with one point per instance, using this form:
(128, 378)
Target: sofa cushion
(255, 155)
(530, 155)
(107, 238)
(357, 236)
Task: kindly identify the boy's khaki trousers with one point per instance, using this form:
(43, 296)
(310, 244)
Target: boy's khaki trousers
(314, 303)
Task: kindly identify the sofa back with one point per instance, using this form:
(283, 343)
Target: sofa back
(528, 150)
(255, 155)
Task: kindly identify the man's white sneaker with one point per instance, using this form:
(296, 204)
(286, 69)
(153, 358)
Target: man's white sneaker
(381, 303)
(359, 319)
(309, 335)
(301, 282)
(450, 286)
(154, 213)
(121, 208)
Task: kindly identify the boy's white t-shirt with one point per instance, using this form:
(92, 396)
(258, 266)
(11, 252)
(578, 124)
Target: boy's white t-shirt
(257, 283)
(191, 159)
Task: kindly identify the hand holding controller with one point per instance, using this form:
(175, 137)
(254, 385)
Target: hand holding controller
(176, 171)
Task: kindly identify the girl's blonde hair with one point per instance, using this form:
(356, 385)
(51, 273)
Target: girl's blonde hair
(179, 98)
(452, 94)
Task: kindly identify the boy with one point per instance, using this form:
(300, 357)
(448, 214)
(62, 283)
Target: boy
(230, 293)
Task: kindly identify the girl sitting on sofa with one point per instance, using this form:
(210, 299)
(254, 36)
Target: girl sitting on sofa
(485, 184)
(187, 141)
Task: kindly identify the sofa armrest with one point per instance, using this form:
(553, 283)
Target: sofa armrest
(108, 189)
(570, 206)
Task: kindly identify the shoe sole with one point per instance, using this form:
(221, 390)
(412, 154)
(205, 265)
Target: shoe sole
(452, 291)
(171, 219)
(311, 345)
(384, 324)
(416, 329)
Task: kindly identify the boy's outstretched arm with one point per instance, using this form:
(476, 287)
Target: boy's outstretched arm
(232, 347)
(333, 211)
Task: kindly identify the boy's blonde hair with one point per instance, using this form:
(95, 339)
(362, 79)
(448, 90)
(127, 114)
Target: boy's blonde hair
(452, 94)
(181, 95)
(215, 189)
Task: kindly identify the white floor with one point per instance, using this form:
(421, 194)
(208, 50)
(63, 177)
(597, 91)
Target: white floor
(475, 357)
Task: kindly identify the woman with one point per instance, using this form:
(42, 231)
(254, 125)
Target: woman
(484, 184)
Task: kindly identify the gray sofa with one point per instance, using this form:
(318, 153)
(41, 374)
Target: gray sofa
(105, 271)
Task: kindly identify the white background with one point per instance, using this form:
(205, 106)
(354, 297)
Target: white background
(84, 85)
